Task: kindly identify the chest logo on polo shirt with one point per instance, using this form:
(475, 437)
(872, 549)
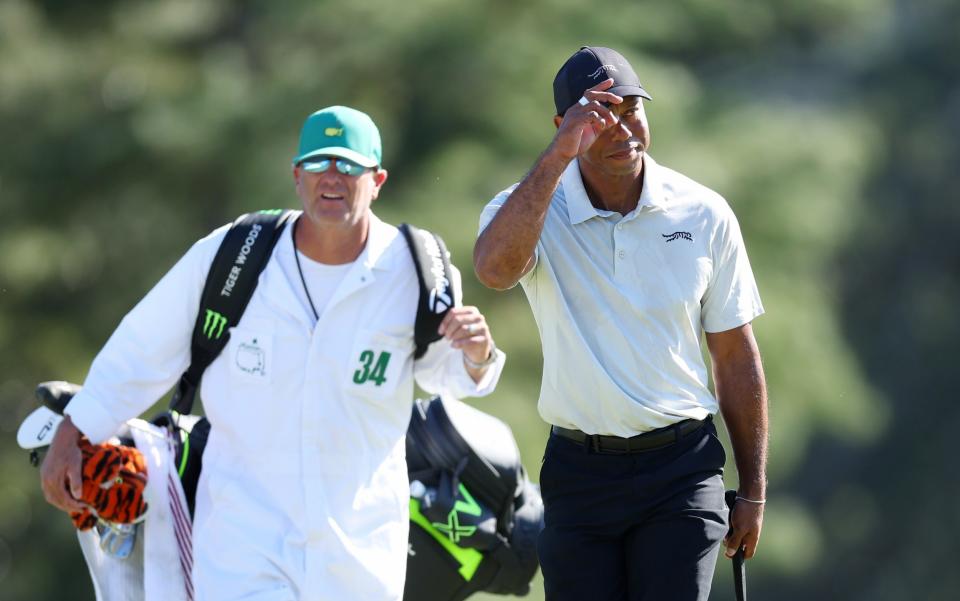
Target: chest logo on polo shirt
(678, 236)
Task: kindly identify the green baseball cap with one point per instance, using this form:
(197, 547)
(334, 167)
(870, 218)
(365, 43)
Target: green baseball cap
(340, 131)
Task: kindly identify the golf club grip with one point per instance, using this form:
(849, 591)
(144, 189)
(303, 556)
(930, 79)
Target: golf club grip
(739, 569)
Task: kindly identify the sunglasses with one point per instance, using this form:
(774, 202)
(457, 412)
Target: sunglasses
(344, 166)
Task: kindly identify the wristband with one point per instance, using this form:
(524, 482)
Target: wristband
(754, 501)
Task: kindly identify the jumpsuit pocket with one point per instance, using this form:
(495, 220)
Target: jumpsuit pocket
(376, 365)
(250, 355)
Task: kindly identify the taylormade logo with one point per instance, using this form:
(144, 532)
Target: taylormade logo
(440, 299)
(241, 260)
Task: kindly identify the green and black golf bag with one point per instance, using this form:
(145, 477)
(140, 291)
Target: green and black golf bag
(474, 514)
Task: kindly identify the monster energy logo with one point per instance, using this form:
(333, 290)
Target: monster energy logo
(452, 528)
(213, 324)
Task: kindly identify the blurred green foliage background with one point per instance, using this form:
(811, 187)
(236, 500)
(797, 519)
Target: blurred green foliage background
(131, 128)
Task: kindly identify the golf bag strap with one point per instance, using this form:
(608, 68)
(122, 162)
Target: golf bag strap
(432, 262)
(230, 283)
(511, 576)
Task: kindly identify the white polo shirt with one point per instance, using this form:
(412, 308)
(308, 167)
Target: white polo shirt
(621, 301)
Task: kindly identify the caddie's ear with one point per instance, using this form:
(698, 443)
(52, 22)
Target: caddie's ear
(557, 120)
(379, 178)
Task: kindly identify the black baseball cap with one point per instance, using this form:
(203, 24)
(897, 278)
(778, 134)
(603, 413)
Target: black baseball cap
(589, 66)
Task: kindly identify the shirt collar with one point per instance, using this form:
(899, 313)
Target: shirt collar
(379, 239)
(579, 207)
(376, 253)
(653, 194)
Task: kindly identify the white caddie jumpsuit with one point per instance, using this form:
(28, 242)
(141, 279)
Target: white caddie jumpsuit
(304, 491)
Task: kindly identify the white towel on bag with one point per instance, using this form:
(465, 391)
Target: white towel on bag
(160, 566)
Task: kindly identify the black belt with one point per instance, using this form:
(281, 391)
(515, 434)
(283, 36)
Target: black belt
(648, 441)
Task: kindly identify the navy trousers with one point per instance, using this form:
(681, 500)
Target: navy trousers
(645, 526)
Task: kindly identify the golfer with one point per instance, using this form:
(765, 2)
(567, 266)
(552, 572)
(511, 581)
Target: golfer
(626, 264)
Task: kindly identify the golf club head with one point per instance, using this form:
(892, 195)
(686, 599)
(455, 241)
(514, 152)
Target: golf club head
(37, 430)
(55, 394)
(117, 540)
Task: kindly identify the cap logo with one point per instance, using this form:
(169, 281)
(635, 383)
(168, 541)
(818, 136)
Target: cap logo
(333, 131)
(600, 70)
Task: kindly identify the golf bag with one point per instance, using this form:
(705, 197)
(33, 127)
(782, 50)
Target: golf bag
(474, 514)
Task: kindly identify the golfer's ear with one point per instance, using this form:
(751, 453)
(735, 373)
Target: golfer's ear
(557, 120)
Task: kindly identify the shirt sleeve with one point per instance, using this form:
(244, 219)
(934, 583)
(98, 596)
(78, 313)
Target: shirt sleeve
(490, 211)
(732, 298)
(149, 349)
(441, 369)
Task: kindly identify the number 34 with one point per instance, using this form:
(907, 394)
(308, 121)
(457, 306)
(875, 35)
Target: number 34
(372, 371)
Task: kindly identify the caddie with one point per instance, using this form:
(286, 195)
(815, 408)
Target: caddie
(304, 491)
